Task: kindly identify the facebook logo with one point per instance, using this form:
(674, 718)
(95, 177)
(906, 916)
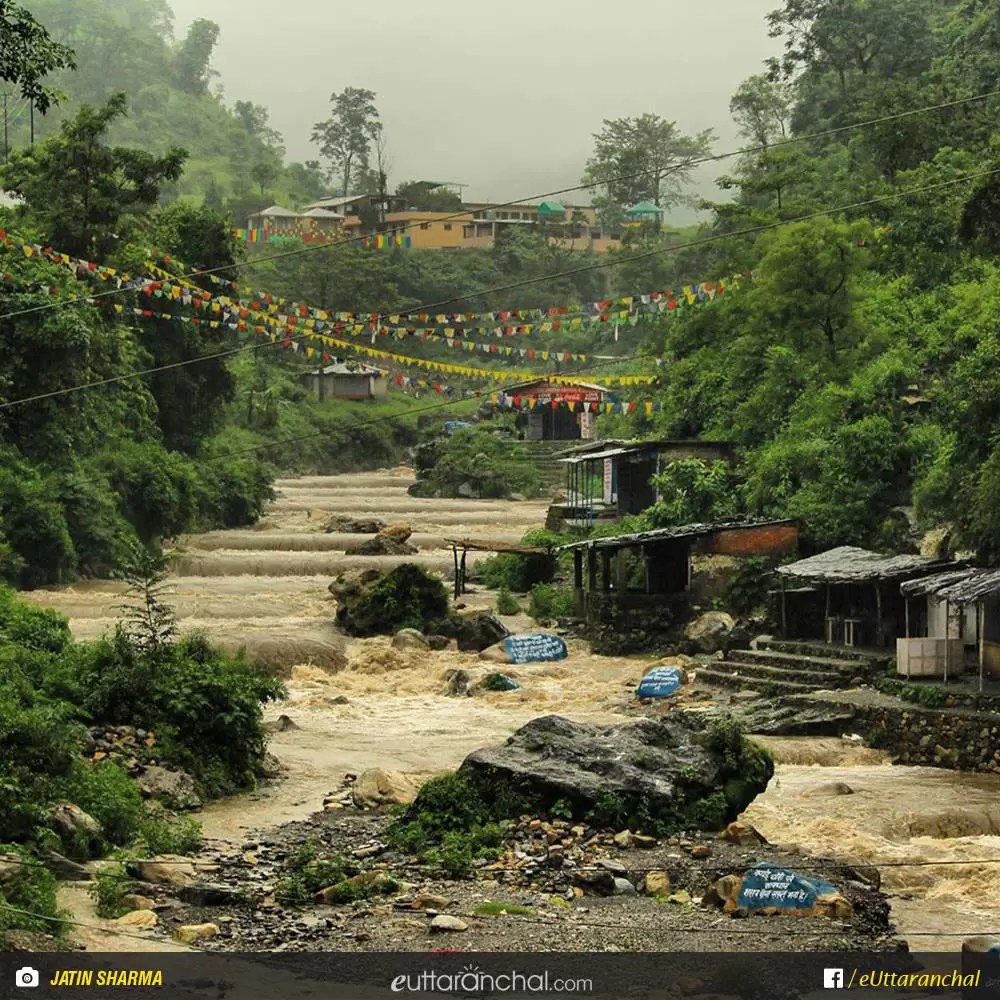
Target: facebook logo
(833, 979)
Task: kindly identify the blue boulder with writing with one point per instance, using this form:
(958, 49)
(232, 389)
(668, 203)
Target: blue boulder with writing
(534, 647)
(768, 885)
(660, 682)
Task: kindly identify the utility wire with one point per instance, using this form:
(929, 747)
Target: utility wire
(714, 238)
(687, 165)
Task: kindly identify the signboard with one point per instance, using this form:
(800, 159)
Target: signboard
(660, 682)
(609, 481)
(564, 394)
(534, 647)
(768, 885)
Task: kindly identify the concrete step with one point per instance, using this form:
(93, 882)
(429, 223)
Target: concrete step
(799, 662)
(720, 678)
(823, 650)
(766, 672)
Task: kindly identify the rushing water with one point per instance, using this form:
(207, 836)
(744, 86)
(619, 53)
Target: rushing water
(266, 588)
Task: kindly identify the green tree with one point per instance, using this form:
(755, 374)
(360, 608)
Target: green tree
(641, 159)
(255, 118)
(193, 56)
(345, 138)
(761, 108)
(84, 192)
(426, 196)
(28, 54)
(264, 172)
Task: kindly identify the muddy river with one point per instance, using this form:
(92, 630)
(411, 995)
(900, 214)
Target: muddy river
(267, 588)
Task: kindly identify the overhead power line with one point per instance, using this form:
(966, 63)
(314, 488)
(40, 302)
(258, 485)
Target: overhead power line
(686, 165)
(714, 238)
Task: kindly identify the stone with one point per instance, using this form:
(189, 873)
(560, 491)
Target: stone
(269, 767)
(192, 933)
(711, 631)
(174, 788)
(623, 887)
(338, 524)
(831, 789)
(596, 883)
(657, 883)
(388, 541)
(444, 923)
(138, 918)
(351, 583)
(410, 638)
(623, 838)
(136, 902)
(458, 683)
(164, 869)
(796, 716)
(210, 895)
(475, 631)
(701, 851)
(556, 856)
(643, 841)
(980, 945)
(339, 699)
(78, 830)
(428, 901)
(438, 642)
(615, 867)
(743, 834)
(377, 789)
(370, 883)
(662, 765)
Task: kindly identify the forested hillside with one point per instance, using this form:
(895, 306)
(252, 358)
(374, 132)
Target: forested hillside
(858, 369)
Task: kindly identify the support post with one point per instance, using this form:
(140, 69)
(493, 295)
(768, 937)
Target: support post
(465, 552)
(879, 628)
(980, 625)
(826, 615)
(622, 581)
(947, 639)
(906, 607)
(605, 570)
(591, 568)
(458, 583)
(578, 569)
(784, 610)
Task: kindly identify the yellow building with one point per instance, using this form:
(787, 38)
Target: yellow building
(478, 226)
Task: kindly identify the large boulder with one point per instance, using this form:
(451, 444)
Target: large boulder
(341, 525)
(475, 632)
(390, 541)
(711, 631)
(405, 597)
(175, 789)
(376, 789)
(410, 638)
(79, 832)
(675, 771)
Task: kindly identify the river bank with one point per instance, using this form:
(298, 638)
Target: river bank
(381, 707)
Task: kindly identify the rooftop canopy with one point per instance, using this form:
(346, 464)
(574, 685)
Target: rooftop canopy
(279, 212)
(348, 368)
(848, 564)
(962, 586)
(645, 209)
(551, 208)
(667, 534)
(614, 448)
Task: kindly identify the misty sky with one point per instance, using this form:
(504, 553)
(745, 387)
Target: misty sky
(503, 96)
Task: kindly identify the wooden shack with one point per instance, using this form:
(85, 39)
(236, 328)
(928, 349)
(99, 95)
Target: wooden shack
(631, 578)
(347, 380)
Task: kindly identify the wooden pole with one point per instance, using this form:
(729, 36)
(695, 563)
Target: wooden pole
(784, 610)
(826, 615)
(980, 628)
(947, 639)
(465, 552)
(622, 582)
(879, 629)
(906, 607)
(458, 583)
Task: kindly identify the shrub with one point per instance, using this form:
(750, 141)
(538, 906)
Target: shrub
(108, 890)
(746, 590)
(519, 572)
(107, 793)
(507, 603)
(308, 872)
(548, 602)
(406, 597)
(170, 836)
(28, 898)
(484, 463)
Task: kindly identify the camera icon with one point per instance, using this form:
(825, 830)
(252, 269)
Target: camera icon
(26, 978)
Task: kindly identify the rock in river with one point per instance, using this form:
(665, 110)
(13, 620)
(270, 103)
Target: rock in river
(675, 768)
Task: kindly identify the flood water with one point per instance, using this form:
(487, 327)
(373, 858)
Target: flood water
(266, 588)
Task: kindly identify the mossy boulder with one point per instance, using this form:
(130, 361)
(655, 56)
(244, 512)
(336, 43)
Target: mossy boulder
(406, 597)
(654, 775)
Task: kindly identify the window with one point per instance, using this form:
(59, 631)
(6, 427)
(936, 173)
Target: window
(447, 227)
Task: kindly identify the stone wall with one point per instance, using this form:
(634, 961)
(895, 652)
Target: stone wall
(963, 741)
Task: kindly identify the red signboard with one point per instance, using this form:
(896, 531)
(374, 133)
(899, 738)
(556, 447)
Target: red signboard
(561, 394)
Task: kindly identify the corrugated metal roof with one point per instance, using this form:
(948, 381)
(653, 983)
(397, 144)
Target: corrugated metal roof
(665, 534)
(590, 451)
(322, 213)
(849, 564)
(595, 456)
(966, 586)
(279, 212)
(342, 368)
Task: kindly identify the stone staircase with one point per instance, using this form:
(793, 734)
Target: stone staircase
(785, 666)
(542, 455)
